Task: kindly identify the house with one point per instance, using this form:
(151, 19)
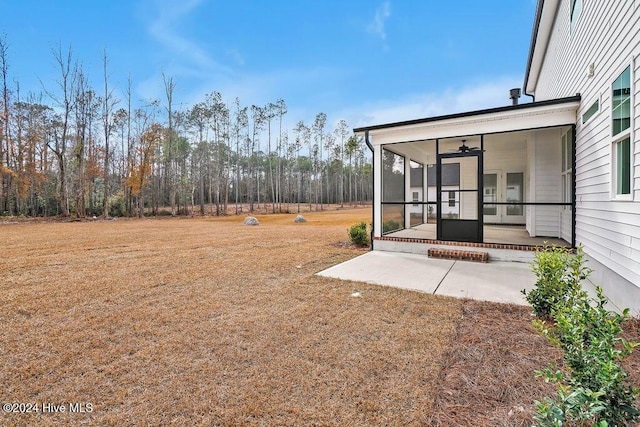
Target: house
(563, 169)
(450, 187)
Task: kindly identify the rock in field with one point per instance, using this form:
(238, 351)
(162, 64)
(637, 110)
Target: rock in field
(300, 218)
(251, 221)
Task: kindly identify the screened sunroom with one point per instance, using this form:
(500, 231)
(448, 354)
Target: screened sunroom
(493, 177)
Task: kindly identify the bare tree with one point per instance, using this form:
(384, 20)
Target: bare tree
(318, 128)
(241, 122)
(65, 102)
(199, 117)
(108, 104)
(258, 116)
(281, 110)
(301, 132)
(84, 112)
(169, 87)
(342, 132)
(5, 177)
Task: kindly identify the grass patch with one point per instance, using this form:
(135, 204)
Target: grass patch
(205, 321)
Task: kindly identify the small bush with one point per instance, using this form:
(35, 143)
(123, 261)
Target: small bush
(390, 225)
(558, 275)
(117, 206)
(595, 388)
(358, 234)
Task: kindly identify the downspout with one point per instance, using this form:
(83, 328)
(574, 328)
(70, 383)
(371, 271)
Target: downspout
(573, 186)
(373, 182)
(533, 97)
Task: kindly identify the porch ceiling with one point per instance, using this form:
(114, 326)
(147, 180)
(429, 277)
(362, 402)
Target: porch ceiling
(535, 115)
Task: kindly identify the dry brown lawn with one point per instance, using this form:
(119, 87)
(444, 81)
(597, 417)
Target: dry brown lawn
(205, 321)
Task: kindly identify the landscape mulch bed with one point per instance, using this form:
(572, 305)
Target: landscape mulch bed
(204, 321)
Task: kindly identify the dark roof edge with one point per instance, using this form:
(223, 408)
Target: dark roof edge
(471, 113)
(532, 45)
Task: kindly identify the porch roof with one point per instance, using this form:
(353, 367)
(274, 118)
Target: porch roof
(535, 115)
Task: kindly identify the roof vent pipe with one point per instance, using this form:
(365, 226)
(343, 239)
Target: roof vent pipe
(514, 94)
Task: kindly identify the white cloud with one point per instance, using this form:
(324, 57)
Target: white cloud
(487, 94)
(376, 26)
(184, 60)
(165, 29)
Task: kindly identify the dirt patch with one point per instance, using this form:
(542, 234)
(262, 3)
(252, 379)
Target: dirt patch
(205, 321)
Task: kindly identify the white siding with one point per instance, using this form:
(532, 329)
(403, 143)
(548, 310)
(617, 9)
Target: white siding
(545, 168)
(507, 153)
(635, 136)
(607, 35)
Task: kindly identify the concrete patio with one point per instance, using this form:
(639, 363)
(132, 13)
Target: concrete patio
(496, 281)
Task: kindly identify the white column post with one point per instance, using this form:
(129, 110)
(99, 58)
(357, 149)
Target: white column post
(377, 191)
(407, 192)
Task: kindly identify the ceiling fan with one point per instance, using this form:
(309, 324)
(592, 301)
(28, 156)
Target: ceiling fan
(464, 148)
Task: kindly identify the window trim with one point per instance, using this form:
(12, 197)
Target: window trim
(597, 103)
(621, 136)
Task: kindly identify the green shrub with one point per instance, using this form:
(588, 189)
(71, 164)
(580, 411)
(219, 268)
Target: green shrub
(596, 387)
(117, 205)
(390, 225)
(358, 234)
(558, 275)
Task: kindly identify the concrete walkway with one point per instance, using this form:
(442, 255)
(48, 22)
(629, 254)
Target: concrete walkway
(497, 281)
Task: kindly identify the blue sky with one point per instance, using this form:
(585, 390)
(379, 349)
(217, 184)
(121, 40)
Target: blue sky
(368, 62)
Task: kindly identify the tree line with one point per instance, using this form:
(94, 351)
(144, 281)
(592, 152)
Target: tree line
(77, 150)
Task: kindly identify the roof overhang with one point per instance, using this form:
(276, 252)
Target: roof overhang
(546, 13)
(535, 115)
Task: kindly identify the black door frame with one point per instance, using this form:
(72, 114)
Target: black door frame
(476, 232)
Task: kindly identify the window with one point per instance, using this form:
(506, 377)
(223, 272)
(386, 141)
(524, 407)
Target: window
(567, 170)
(591, 111)
(415, 198)
(621, 131)
(576, 8)
(452, 199)
(490, 193)
(621, 105)
(515, 193)
(622, 167)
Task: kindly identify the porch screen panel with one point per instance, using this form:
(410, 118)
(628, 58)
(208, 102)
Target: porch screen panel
(392, 177)
(392, 217)
(527, 187)
(431, 193)
(393, 192)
